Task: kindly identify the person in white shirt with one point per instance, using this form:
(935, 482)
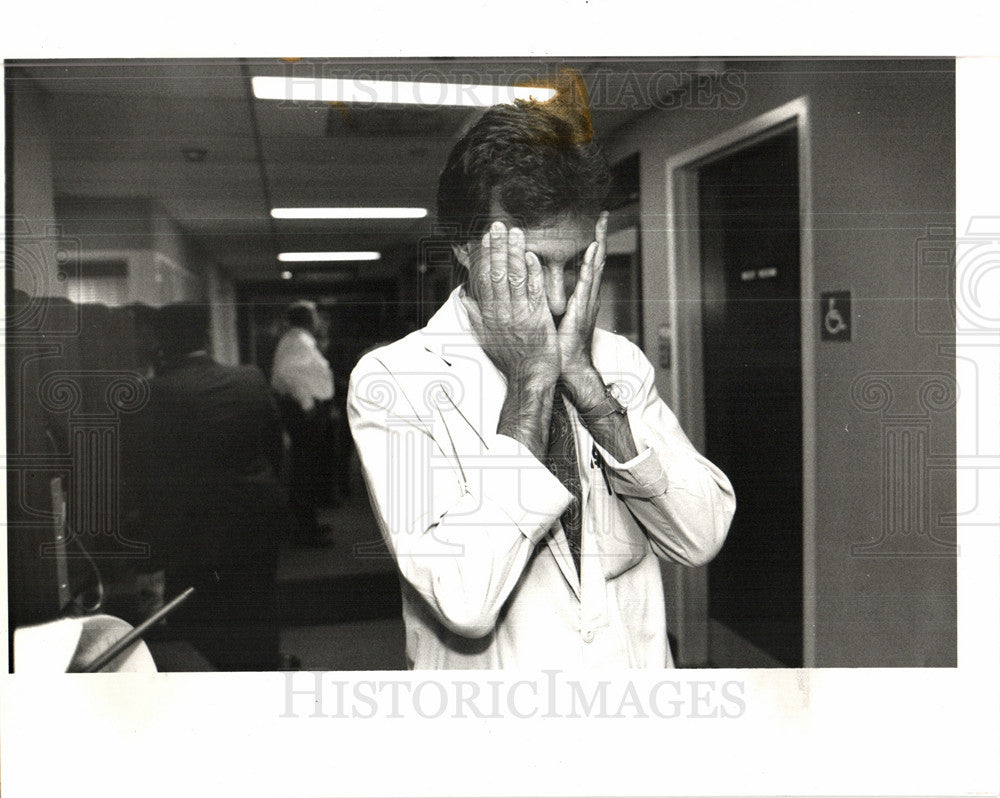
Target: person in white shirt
(300, 370)
(525, 473)
(302, 379)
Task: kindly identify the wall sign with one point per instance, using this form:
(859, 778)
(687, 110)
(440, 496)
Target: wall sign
(835, 316)
(663, 344)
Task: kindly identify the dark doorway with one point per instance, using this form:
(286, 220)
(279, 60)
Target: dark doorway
(749, 241)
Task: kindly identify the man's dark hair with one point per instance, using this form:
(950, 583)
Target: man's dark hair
(302, 314)
(182, 328)
(535, 159)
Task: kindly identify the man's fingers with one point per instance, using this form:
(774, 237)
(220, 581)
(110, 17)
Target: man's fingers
(517, 275)
(535, 278)
(480, 273)
(498, 267)
(582, 293)
(601, 237)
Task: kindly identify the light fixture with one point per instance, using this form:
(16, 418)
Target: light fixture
(315, 257)
(348, 213)
(286, 275)
(337, 90)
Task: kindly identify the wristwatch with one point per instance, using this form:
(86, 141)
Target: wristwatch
(608, 406)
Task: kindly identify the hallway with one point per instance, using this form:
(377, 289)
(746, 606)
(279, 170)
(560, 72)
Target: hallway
(340, 606)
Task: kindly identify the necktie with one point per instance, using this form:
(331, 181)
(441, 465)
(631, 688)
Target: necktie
(561, 461)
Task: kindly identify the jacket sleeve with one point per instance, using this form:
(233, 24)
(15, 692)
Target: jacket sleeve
(683, 502)
(460, 512)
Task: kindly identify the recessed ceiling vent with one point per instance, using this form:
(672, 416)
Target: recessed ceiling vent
(358, 121)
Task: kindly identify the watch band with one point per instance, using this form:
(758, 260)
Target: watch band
(608, 406)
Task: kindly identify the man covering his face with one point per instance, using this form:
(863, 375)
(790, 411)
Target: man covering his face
(525, 473)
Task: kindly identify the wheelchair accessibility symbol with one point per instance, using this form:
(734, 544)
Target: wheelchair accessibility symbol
(835, 311)
(834, 322)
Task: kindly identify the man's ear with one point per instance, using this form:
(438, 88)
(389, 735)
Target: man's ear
(462, 254)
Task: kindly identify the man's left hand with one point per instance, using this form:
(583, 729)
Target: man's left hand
(576, 330)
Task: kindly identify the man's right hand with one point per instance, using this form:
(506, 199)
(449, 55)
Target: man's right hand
(510, 318)
(508, 311)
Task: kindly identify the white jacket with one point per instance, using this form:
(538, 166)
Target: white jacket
(472, 517)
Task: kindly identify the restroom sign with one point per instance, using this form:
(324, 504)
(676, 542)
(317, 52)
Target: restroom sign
(835, 316)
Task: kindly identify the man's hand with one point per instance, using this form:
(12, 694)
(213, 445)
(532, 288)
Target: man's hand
(510, 318)
(509, 314)
(581, 379)
(576, 330)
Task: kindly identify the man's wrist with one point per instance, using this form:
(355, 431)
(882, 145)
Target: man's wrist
(607, 422)
(584, 385)
(534, 380)
(526, 412)
(608, 406)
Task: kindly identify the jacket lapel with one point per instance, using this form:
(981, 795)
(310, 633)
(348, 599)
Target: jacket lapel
(481, 390)
(559, 546)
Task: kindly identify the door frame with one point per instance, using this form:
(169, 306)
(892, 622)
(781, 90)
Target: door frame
(687, 395)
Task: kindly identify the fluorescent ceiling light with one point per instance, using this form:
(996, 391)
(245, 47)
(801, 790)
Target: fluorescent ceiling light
(337, 90)
(311, 257)
(349, 213)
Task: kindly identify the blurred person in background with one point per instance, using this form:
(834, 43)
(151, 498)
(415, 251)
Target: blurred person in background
(201, 463)
(303, 382)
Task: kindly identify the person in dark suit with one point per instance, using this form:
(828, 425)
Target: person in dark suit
(202, 458)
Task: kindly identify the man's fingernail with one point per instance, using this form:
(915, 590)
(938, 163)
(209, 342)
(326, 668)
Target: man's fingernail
(496, 228)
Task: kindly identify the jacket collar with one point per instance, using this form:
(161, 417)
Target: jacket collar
(449, 326)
